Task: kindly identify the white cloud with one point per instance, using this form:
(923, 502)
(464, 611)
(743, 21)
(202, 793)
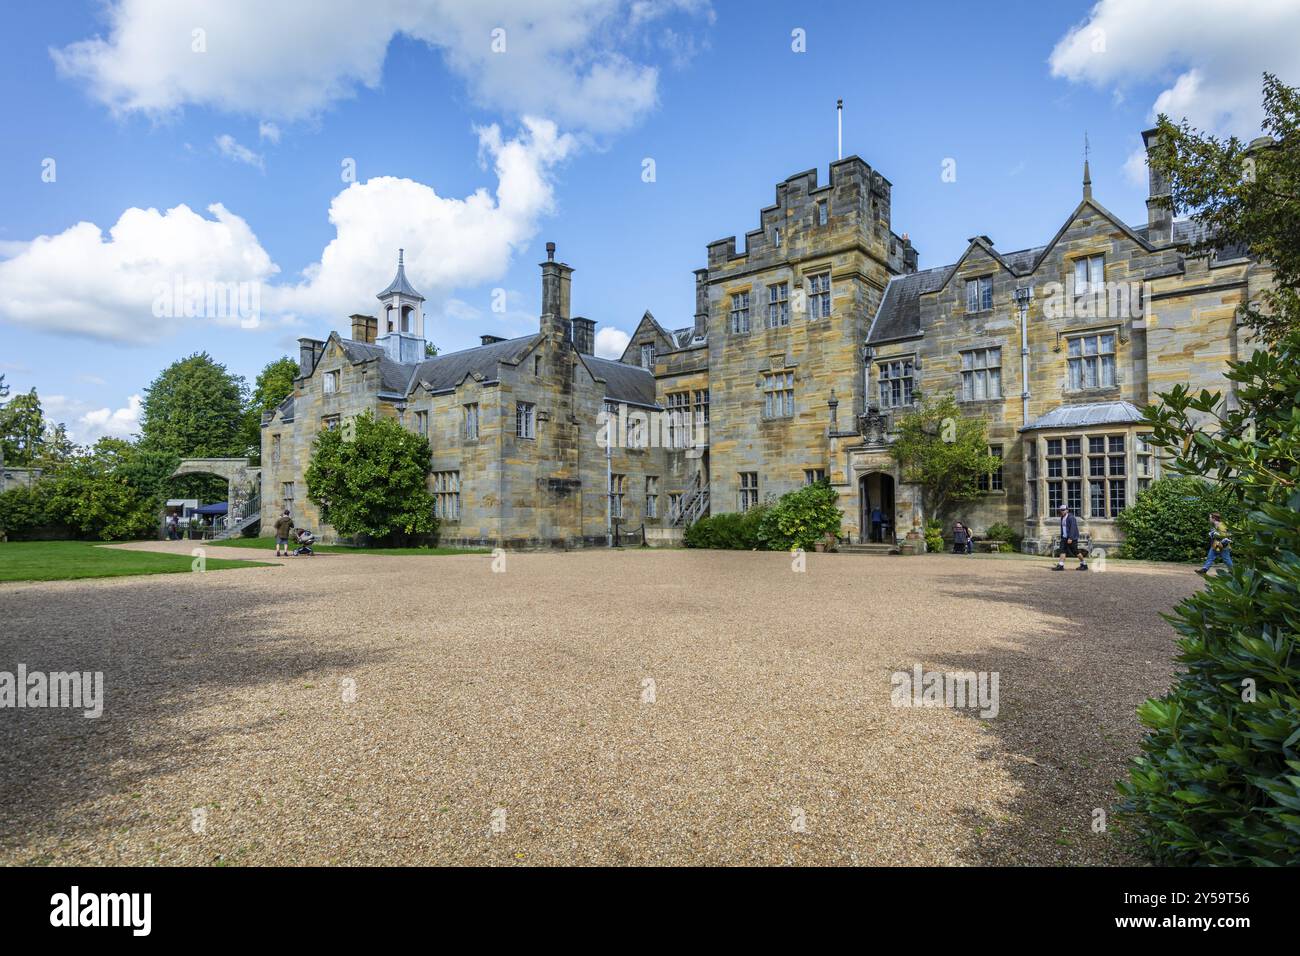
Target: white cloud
(450, 243)
(1208, 55)
(232, 149)
(564, 59)
(268, 131)
(611, 342)
(80, 282)
(86, 424)
(84, 283)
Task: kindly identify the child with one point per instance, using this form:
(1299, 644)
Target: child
(1220, 545)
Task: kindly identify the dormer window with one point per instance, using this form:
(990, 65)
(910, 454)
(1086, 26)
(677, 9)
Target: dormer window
(648, 356)
(979, 294)
(332, 382)
(1089, 275)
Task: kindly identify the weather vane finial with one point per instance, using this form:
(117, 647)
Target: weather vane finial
(1087, 174)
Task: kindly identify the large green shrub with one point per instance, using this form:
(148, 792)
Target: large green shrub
(730, 530)
(108, 492)
(1169, 521)
(25, 514)
(1218, 779)
(1005, 535)
(371, 479)
(801, 518)
(933, 535)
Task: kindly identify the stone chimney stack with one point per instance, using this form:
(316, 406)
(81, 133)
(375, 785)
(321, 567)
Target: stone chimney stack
(309, 353)
(364, 328)
(584, 335)
(555, 294)
(701, 303)
(1160, 221)
(911, 258)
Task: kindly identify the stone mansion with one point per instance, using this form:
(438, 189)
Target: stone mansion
(803, 348)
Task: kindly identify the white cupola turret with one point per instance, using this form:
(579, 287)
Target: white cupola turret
(401, 318)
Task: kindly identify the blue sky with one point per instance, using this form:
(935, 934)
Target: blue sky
(583, 92)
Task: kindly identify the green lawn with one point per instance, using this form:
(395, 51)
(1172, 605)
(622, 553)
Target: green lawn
(69, 560)
(269, 545)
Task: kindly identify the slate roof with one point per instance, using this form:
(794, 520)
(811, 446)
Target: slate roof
(394, 377)
(899, 315)
(623, 382)
(682, 337)
(400, 283)
(626, 383)
(1086, 415)
(447, 371)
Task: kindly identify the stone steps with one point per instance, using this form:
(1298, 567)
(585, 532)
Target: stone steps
(867, 549)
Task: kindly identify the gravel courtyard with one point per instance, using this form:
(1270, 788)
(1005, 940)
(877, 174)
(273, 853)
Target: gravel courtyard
(591, 707)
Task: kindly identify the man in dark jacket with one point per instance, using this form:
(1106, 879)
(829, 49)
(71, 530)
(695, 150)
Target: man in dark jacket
(1069, 542)
(283, 528)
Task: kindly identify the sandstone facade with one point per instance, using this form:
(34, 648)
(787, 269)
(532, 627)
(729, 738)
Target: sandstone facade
(804, 349)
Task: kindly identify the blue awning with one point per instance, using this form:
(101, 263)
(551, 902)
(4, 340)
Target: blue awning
(217, 509)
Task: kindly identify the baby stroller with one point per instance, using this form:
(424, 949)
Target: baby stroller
(305, 540)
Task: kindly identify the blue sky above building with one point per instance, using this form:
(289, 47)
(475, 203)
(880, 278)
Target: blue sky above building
(150, 144)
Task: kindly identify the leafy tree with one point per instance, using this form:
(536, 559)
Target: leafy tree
(374, 484)
(1246, 194)
(22, 429)
(801, 518)
(943, 452)
(1168, 521)
(95, 493)
(272, 386)
(56, 448)
(194, 409)
(1218, 779)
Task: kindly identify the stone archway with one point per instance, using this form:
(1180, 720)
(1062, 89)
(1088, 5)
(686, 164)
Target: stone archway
(243, 485)
(877, 517)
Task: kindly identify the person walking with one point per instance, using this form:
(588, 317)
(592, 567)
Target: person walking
(877, 520)
(1069, 542)
(970, 539)
(1220, 545)
(283, 528)
(959, 538)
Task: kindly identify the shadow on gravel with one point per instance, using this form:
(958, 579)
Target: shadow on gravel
(1067, 722)
(164, 652)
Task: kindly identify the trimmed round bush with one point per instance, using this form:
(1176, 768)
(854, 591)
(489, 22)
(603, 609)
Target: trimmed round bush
(1169, 521)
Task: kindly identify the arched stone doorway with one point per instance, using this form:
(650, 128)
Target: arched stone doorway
(876, 491)
(243, 486)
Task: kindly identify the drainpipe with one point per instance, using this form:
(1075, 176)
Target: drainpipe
(609, 477)
(1023, 295)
